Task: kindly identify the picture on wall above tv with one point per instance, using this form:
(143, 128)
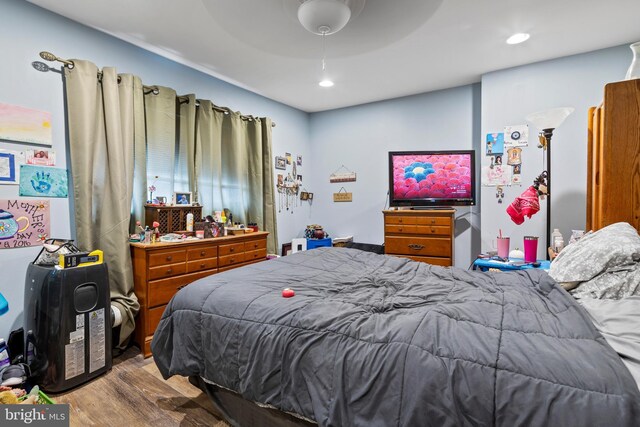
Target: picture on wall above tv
(432, 178)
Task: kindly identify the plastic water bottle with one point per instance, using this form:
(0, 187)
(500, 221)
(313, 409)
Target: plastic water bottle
(4, 354)
(557, 241)
(189, 221)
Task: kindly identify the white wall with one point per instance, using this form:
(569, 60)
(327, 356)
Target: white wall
(360, 138)
(25, 30)
(507, 97)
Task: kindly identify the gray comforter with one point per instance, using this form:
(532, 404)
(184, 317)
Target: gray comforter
(372, 340)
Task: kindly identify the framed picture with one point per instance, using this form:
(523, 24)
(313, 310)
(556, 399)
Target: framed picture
(182, 199)
(299, 160)
(288, 157)
(286, 249)
(281, 162)
(304, 195)
(310, 196)
(161, 200)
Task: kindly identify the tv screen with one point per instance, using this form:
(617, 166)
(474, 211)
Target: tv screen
(432, 178)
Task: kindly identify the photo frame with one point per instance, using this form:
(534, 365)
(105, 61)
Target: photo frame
(281, 162)
(182, 198)
(286, 249)
(161, 200)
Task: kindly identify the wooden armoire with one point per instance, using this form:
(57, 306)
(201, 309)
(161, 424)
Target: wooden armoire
(613, 162)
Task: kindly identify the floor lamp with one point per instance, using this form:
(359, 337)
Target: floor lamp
(547, 121)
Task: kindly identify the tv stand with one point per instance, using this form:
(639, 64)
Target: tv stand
(425, 235)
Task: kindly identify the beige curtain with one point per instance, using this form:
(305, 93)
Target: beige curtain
(160, 113)
(103, 117)
(185, 176)
(234, 167)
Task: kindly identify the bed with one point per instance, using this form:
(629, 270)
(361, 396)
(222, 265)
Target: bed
(376, 340)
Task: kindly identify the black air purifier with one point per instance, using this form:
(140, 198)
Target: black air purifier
(67, 325)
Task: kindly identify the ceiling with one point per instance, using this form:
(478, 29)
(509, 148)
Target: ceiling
(391, 48)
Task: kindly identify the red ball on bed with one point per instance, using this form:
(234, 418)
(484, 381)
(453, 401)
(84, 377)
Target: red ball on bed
(288, 293)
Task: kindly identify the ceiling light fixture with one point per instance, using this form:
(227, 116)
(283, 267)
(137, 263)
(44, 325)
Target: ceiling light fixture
(324, 17)
(518, 38)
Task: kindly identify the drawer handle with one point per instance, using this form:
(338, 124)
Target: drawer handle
(203, 253)
(433, 230)
(169, 257)
(203, 265)
(433, 221)
(232, 249)
(400, 221)
(170, 270)
(416, 246)
(255, 245)
(232, 260)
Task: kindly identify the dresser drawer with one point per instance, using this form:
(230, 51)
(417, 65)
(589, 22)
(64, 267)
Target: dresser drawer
(401, 219)
(203, 252)
(434, 220)
(203, 264)
(224, 261)
(161, 291)
(255, 255)
(255, 244)
(236, 248)
(167, 271)
(166, 257)
(400, 229)
(444, 262)
(444, 230)
(153, 318)
(418, 246)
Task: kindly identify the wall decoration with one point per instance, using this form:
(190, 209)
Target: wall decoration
(500, 194)
(495, 143)
(22, 124)
(346, 176)
(496, 160)
(516, 178)
(343, 196)
(299, 160)
(516, 136)
(288, 157)
(281, 162)
(497, 175)
(280, 180)
(10, 162)
(40, 157)
(287, 193)
(514, 156)
(23, 223)
(43, 181)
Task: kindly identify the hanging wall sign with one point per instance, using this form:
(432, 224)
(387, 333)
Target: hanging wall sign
(342, 175)
(342, 196)
(23, 223)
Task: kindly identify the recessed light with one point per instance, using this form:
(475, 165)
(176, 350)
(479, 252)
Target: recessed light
(326, 83)
(518, 38)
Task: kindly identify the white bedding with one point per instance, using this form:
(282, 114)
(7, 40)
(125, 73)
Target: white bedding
(619, 322)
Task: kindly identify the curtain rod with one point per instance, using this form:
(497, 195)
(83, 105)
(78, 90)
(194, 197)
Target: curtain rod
(184, 99)
(48, 56)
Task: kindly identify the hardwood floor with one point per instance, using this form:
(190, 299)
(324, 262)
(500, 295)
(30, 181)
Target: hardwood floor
(134, 393)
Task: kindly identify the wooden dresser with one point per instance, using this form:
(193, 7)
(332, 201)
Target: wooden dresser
(422, 235)
(161, 269)
(613, 157)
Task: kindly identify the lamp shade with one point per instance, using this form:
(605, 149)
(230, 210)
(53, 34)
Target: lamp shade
(550, 119)
(324, 16)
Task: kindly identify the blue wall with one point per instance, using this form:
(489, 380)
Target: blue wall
(25, 30)
(510, 95)
(360, 138)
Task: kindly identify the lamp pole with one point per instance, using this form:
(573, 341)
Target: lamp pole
(547, 133)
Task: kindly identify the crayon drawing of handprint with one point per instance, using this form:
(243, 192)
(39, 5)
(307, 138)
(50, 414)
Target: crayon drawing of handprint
(41, 181)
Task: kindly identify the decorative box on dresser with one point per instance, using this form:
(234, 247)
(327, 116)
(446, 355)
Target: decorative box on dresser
(162, 269)
(172, 219)
(424, 235)
(613, 157)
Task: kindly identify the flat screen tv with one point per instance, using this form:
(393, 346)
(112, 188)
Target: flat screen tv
(432, 178)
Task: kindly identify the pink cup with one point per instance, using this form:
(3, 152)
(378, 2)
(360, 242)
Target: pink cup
(530, 248)
(503, 247)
